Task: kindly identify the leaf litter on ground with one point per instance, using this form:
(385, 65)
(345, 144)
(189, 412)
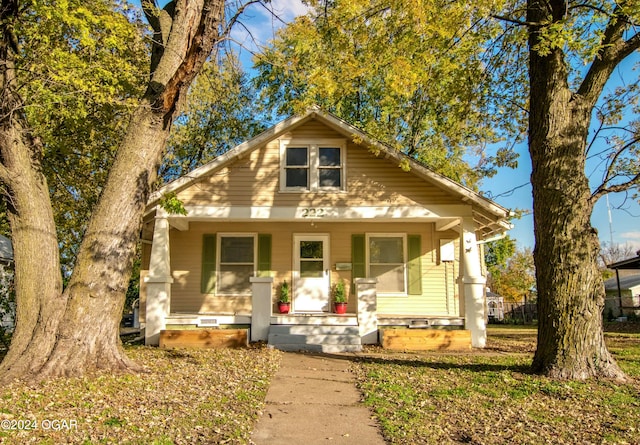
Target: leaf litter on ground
(215, 396)
(490, 397)
(187, 397)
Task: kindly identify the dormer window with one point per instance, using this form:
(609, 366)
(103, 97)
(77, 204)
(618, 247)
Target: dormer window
(329, 167)
(312, 166)
(297, 167)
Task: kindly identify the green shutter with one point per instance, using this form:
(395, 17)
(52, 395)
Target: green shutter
(264, 255)
(358, 262)
(208, 283)
(414, 267)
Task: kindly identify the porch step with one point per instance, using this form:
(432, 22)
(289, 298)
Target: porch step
(314, 338)
(302, 329)
(326, 349)
(316, 320)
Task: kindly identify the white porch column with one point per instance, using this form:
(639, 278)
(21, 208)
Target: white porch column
(261, 306)
(158, 283)
(367, 309)
(473, 284)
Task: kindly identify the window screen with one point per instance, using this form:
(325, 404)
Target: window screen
(236, 264)
(386, 263)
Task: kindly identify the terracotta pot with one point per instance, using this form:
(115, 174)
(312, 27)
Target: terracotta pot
(284, 307)
(341, 308)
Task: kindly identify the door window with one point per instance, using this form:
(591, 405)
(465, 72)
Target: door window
(311, 259)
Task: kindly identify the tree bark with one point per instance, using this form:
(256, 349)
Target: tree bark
(80, 329)
(40, 302)
(570, 288)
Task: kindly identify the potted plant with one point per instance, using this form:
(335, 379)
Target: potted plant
(284, 301)
(340, 297)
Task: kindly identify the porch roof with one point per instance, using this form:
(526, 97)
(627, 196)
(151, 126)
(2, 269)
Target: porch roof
(629, 263)
(490, 218)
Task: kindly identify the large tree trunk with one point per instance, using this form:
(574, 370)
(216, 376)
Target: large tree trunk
(40, 302)
(570, 288)
(71, 332)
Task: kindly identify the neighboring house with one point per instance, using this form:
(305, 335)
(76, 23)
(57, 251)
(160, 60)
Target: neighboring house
(6, 250)
(629, 295)
(623, 293)
(313, 201)
(623, 290)
(7, 308)
(495, 307)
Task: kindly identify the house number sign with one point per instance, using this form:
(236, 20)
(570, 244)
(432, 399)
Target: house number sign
(313, 212)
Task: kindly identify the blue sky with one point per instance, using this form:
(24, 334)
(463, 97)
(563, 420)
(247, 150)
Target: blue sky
(625, 212)
(510, 187)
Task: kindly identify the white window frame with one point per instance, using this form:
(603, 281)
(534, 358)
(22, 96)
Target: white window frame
(219, 257)
(313, 146)
(405, 271)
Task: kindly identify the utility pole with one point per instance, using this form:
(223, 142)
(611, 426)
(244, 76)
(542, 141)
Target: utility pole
(610, 220)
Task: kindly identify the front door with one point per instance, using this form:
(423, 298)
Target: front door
(311, 273)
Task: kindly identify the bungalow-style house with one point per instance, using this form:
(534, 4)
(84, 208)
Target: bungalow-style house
(314, 201)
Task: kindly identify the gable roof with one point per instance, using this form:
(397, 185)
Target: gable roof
(490, 217)
(626, 283)
(629, 263)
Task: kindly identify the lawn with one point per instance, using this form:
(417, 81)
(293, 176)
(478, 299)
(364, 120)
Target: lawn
(187, 397)
(215, 396)
(489, 397)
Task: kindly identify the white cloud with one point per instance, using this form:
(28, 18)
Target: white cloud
(290, 8)
(632, 238)
(260, 22)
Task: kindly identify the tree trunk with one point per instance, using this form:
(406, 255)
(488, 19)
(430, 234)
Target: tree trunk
(88, 337)
(39, 302)
(71, 332)
(570, 288)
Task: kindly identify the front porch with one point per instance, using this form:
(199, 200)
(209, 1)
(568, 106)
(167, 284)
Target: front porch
(456, 304)
(316, 332)
(320, 332)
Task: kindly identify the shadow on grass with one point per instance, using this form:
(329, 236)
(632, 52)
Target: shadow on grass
(430, 362)
(447, 366)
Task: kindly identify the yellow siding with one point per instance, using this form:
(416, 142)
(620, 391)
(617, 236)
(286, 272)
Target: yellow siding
(438, 279)
(439, 289)
(254, 180)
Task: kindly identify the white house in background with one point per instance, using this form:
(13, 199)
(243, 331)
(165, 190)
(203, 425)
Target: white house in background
(629, 295)
(495, 307)
(6, 262)
(314, 201)
(6, 250)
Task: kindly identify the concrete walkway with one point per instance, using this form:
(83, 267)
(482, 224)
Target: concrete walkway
(313, 400)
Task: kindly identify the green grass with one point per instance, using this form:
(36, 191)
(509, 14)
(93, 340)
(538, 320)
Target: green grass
(489, 397)
(479, 397)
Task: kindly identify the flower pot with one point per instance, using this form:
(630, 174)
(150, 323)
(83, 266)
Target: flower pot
(341, 308)
(284, 307)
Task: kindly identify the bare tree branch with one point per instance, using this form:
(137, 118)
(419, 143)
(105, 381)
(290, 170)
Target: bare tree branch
(613, 50)
(602, 190)
(236, 16)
